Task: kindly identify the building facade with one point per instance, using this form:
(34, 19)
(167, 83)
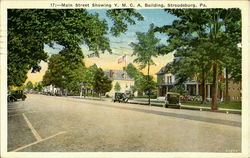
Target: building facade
(166, 81)
(121, 77)
(234, 91)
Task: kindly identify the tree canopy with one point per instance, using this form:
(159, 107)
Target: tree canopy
(143, 83)
(204, 40)
(145, 49)
(102, 83)
(30, 29)
(63, 74)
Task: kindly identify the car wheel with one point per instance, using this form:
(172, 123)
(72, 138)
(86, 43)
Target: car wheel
(23, 98)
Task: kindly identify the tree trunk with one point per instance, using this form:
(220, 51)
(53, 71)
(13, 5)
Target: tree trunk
(226, 92)
(215, 88)
(149, 91)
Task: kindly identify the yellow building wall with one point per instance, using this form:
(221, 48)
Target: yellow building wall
(234, 91)
(125, 85)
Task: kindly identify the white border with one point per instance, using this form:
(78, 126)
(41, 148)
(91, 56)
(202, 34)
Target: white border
(243, 5)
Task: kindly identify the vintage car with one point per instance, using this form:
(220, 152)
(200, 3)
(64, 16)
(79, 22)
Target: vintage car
(15, 95)
(172, 99)
(120, 97)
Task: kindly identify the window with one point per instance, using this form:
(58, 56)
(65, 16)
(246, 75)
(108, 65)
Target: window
(170, 78)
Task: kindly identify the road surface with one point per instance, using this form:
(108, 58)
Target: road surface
(62, 124)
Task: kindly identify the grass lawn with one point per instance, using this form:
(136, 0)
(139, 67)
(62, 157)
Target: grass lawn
(229, 105)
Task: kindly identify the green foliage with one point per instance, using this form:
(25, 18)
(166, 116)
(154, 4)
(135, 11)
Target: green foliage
(203, 41)
(121, 18)
(132, 71)
(143, 83)
(117, 87)
(64, 74)
(89, 76)
(29, 85)
(102, 83)
(30, 29)
(38, 86)
(146, 48)
(179, 89)
(229, 105)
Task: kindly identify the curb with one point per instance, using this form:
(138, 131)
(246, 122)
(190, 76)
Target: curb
(231, 111)
(188, 107)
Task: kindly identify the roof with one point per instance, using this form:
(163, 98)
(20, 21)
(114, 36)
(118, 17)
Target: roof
(118, 75)
(165, 69)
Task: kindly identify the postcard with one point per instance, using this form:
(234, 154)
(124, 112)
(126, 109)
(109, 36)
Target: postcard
(124, 78)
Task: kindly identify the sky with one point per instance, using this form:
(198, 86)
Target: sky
(120, 44)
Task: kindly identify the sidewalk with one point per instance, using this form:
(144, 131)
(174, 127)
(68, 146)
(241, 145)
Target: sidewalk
(190, 107)
(143, 102)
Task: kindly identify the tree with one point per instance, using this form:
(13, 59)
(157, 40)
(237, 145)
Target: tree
(38, 86)
(64, 74)
(89, 77)
(142, 83)
(121, 18)
(145, 84)
(192, 64)
(205, 31)
(145, 49)
(132, 71)
(30, 29)
(102, 83)
(29, 85)
(117, 87)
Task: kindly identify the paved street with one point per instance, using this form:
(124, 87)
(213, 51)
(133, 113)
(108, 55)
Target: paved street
(51, 124)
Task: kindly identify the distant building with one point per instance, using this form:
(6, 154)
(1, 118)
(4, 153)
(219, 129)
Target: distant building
(122, 78)
(51, 89)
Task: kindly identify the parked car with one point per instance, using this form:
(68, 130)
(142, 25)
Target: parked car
(172, 99)
(15, 95)
(120, 97)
